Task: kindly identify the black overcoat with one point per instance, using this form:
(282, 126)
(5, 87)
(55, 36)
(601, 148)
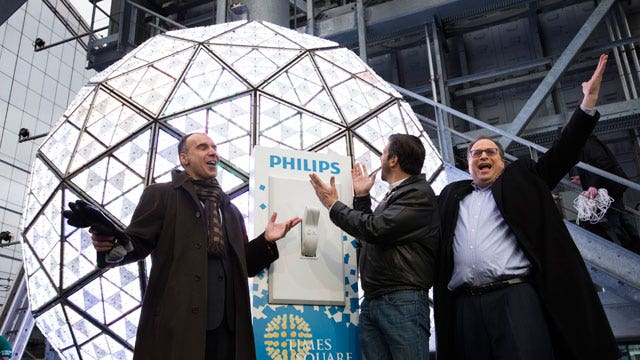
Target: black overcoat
(168, 223)
(578, 325)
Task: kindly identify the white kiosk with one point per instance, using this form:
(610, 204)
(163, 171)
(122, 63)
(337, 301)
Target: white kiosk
(306, 305)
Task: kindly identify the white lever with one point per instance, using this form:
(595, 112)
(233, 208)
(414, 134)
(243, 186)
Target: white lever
(309, 240)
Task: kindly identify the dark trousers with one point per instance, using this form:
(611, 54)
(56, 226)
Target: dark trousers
(621, 226)
(617, 226)
(221, 343)
(503, 324)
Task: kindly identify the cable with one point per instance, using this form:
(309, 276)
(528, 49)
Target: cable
(592, 210)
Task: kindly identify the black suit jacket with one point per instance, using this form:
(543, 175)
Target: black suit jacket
(578, 325)
(596, 153)
(399, 239)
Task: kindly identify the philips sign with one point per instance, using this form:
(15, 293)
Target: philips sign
(301, 164)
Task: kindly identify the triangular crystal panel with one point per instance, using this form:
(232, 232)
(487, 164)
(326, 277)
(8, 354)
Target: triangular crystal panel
(363, 154)
(42, 183)
(337, 147)
(41, 290)
(203, 33)
(350, 62)
(89, 299)
(254, 64)
(70, 354)
(288, 125)
(150, 86)
(105, 348)
(135, 153)
(107, 180)
(88, 149)
(302, 39)
(112, 121)
(54, 324)
(354, 96)
(229, 180)
(191, 122)
(116, 301)
(166, 155)
(377, 129)
(127, 326)
(44, 233)
(60, 145)
(51, 265)
(206, 80)
(126, 278)
(82, 95)
(79, 257)
(255, 34)
(154, 49)
(237, 112)
(31, 264)
(119, 180)
(301, 85)
(123, 206)
(82, 328)
(237, 151)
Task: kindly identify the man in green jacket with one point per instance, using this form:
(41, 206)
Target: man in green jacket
(5, 349)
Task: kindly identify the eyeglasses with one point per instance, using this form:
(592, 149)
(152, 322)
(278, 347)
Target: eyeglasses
(478, 152)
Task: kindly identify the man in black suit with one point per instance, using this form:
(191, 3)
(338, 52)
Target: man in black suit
(618, 224)
(511, 284)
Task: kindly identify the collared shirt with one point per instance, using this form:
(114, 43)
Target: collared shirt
(393, 186)
(484, 247)
(587, 110)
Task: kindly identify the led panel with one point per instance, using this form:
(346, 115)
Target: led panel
(243, 83)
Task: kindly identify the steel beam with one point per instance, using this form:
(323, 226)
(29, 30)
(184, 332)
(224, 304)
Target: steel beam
(362, 30)
(512, 137)
(398, 15)
(221, 11)
(531, 106)
(612, 258)
(311, 26)
(301, 5)
(446, 149)
(8, 8)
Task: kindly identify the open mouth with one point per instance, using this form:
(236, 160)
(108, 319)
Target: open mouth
(484, 166)
(212, 163)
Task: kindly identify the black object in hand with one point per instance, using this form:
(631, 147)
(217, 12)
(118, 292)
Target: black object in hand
(83, 214)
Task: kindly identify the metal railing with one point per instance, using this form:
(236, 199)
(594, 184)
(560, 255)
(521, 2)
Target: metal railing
(16, 320)
(534, 149)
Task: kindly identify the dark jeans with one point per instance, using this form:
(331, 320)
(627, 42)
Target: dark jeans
(395, 326)
(504, 324)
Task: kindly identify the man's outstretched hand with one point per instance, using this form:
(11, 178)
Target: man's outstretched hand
(327, 194)
(362, 180)
(276, 231)
(591, 88)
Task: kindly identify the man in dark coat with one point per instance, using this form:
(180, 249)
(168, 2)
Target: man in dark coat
(399, 242)
(196, 304)
(618, 224)
(511, 283)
